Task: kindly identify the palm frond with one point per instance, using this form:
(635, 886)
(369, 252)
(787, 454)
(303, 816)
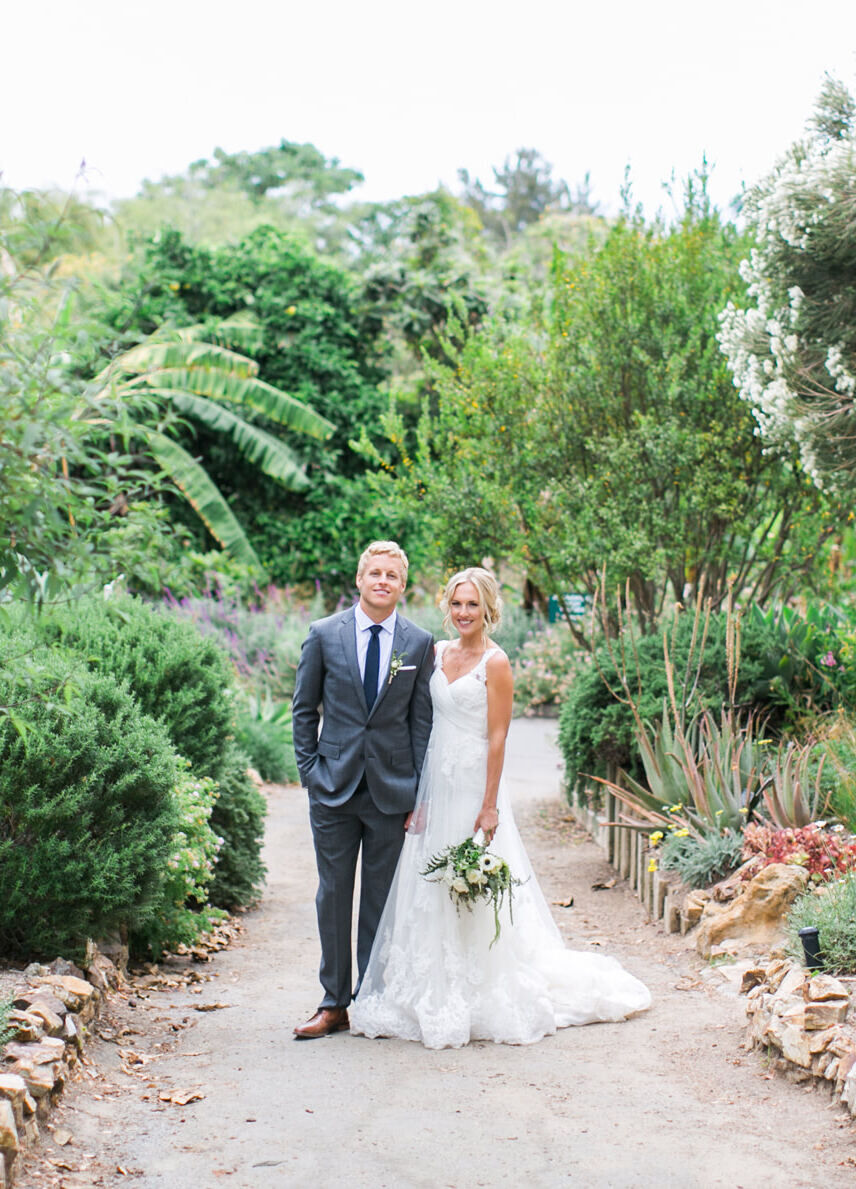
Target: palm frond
(155, 355)
(241, 330)
(201, 494)
(217, 384)
(265, 451)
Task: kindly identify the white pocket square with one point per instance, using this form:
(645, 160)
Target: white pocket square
(405, 668)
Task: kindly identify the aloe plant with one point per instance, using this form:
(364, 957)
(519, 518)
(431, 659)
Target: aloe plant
(703, 778)
(792, 796)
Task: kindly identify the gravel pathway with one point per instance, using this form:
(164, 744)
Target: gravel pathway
(668, 1099)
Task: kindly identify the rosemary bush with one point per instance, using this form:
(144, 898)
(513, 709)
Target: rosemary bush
(87, 815)
(176, 676)
(238, 818)
(180, 915)
(832, 908)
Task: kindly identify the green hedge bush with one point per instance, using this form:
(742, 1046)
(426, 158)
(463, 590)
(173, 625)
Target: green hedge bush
(596, 730)
(87, 815)
(181, 914)
(179, 678)
(238, 819)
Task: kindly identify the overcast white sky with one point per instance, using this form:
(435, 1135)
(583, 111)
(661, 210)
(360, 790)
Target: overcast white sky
(408, 92)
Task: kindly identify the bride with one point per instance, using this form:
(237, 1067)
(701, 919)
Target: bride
(433, 975)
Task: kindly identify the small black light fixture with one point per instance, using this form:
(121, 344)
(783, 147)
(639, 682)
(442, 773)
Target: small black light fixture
(811, 947)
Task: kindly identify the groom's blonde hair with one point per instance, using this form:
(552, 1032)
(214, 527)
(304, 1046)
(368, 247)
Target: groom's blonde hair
(390, 547)
(490, 600)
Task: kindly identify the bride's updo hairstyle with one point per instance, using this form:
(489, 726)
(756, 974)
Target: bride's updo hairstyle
(490, 599)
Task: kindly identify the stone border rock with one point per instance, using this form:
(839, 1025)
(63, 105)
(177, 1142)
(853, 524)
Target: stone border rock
(52, 1009)
(806, 1022)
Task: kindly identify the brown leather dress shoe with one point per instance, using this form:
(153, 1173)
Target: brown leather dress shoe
(325, 1022)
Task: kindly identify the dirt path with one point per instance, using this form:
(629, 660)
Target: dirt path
(668, 1099)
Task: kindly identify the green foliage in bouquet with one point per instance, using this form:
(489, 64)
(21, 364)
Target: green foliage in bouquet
(176, 676)
(87, 815)
(181, 915)
(471, 873)
(238, 819)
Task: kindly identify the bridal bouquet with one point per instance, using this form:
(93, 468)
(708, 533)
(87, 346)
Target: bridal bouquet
(471, 873)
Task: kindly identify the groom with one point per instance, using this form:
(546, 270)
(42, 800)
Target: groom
(363, 675)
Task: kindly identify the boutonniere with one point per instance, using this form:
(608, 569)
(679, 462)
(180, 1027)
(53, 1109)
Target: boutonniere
(397, 664)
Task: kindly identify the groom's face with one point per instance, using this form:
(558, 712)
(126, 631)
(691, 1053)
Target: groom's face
(381, 585)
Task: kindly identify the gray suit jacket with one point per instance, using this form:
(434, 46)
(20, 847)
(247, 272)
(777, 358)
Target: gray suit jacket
(388, 743)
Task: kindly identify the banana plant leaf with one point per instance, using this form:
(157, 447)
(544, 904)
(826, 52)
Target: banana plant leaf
(202, 495)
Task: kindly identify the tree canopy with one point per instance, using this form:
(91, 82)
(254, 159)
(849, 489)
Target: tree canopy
(605, 431)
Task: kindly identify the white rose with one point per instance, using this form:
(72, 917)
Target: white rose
(473, 876)
(459, 885)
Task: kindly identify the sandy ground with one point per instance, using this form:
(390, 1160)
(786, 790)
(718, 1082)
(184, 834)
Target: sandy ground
(667, 1099)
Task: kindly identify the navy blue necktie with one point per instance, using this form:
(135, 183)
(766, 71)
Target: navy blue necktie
(372, 668)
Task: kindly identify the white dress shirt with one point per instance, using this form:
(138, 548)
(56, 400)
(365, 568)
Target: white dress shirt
(385, 638)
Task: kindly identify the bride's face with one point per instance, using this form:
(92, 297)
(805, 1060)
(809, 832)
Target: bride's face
(466, 612)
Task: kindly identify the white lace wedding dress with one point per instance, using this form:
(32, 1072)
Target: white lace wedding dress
(433, 976)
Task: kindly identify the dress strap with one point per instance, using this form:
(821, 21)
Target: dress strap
(481, 668)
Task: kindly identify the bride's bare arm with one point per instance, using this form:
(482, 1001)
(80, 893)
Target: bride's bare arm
(500, 692)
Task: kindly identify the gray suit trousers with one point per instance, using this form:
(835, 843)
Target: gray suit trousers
(339, 832)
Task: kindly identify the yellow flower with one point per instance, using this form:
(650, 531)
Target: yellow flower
(682, 833)
(291, 310)
(656, 838)
(652, 864)
(675, 808)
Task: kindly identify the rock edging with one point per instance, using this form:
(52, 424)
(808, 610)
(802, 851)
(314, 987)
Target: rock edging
(806, 1022)
(52, 1009)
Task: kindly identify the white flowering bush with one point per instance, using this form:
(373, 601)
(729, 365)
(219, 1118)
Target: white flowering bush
(183, 913)
(545, 668)
(792, 351)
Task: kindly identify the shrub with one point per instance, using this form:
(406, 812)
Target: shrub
(177, 677)
(263, 730)
(238, 819)
(838, 745)
(832, 909)
(596, 730)
(702, 861)
(180, 916)
(262, 638)
(7, 1031)
(86, 809)
(545, 668)
(816, 671)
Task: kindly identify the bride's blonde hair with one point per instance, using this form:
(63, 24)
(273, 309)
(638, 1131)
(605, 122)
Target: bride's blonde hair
(490, 600)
